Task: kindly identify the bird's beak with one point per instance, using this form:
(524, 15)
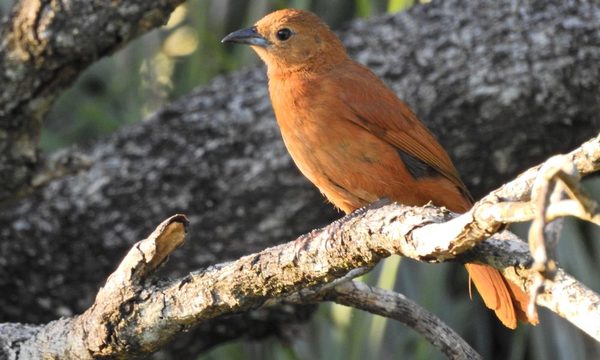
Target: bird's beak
(247, 36)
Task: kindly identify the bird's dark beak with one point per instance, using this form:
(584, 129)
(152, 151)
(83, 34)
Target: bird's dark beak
(247, 36)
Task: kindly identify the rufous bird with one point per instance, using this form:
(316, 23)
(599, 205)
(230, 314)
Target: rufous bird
(352, 137)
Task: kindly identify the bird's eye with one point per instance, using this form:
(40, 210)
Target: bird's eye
(283, 34)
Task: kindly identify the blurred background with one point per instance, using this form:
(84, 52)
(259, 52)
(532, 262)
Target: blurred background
(166, 63)
(185, 53)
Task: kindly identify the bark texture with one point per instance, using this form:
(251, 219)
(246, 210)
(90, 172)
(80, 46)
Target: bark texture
(44, 46)
(502, 84)
(133, 315)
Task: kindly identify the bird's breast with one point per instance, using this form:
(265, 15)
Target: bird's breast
(349, 165)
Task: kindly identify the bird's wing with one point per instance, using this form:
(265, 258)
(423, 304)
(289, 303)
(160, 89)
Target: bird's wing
(370, 104)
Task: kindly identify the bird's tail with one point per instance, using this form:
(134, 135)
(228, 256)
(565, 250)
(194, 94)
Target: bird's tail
(507, 300)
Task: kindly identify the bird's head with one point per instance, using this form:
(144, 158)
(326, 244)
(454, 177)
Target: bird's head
(292, 40)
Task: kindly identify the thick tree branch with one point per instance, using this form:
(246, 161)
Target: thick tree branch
(132, 316)
(44, 47)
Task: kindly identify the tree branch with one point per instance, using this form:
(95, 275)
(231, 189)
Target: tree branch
(133, 316)
(565, 295)
(398, 307)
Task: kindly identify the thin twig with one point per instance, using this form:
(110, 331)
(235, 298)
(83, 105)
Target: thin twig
(389, 304)
(396, 306)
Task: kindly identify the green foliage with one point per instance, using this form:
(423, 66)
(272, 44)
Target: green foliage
(398, 5)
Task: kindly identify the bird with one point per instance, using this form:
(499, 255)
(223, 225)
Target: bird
(355, 140)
